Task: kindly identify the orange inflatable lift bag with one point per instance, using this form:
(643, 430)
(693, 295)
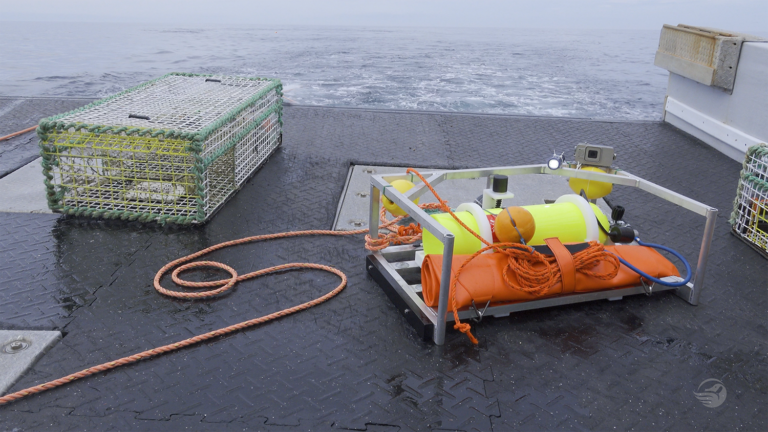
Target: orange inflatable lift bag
(560, 270)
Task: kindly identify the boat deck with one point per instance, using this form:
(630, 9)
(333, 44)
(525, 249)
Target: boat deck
(354, 363)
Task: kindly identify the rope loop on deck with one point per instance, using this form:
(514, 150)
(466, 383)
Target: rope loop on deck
(182, 264)
(398, 235)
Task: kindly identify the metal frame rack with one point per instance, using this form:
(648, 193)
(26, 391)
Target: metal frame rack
(396, 271)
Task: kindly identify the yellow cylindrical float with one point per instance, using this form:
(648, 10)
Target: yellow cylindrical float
(572, 219)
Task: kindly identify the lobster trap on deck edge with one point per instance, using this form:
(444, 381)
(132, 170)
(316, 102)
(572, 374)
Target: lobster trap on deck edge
(170, 150)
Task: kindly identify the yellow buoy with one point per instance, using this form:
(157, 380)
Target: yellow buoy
(593, 189)
(402, 186)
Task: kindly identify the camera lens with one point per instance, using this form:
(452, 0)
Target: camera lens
(592, 154)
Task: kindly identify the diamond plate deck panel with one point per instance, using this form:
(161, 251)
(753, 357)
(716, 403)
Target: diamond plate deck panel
(20, 113)
(354, 363)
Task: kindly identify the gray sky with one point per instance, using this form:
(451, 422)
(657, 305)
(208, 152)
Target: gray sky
(734, 15)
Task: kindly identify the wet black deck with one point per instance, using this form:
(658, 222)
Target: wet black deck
(354, 363)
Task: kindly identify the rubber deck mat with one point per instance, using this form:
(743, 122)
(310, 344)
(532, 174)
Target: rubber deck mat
(354, 363)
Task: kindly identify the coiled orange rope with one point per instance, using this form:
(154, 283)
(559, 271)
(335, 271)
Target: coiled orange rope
(399, 234)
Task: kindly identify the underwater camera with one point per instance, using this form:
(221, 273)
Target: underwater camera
(594, 155)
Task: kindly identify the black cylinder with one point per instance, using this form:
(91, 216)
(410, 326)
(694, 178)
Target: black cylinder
(617, 213)
(500, 183)
(622, 234)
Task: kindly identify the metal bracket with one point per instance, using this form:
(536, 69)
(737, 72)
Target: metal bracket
(478, 312)
(647, 288)
(583, 194)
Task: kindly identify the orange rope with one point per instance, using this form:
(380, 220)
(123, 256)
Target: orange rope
(9, 136)
(398, 235)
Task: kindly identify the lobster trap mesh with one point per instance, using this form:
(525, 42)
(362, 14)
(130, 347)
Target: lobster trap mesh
(171, 150)
(750, 209)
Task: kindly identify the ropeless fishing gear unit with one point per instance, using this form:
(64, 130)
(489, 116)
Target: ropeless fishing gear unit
(480, 259)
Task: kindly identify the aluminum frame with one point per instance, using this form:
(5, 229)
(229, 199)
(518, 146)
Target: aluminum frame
(396, 261)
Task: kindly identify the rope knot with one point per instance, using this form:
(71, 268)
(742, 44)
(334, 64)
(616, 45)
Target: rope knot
(409, 230)
(465, 328)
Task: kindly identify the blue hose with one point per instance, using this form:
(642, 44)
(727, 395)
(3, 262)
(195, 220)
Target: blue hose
(653, 279)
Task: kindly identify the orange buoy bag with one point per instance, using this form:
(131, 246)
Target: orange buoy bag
(492, 277)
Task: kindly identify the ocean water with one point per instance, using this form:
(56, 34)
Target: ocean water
(605, 74)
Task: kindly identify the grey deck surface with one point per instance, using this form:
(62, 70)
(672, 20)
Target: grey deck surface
(17, 114)
(354, 363)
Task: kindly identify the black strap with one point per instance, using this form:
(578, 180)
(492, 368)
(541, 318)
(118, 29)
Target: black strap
(572, 248)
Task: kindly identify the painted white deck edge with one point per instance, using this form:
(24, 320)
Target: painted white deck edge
(728, 140)
(23, 190)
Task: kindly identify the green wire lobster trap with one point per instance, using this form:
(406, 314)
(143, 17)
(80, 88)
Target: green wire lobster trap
(749, 219)
(170, 150)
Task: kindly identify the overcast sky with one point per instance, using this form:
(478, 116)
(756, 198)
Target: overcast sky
(734, 15)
